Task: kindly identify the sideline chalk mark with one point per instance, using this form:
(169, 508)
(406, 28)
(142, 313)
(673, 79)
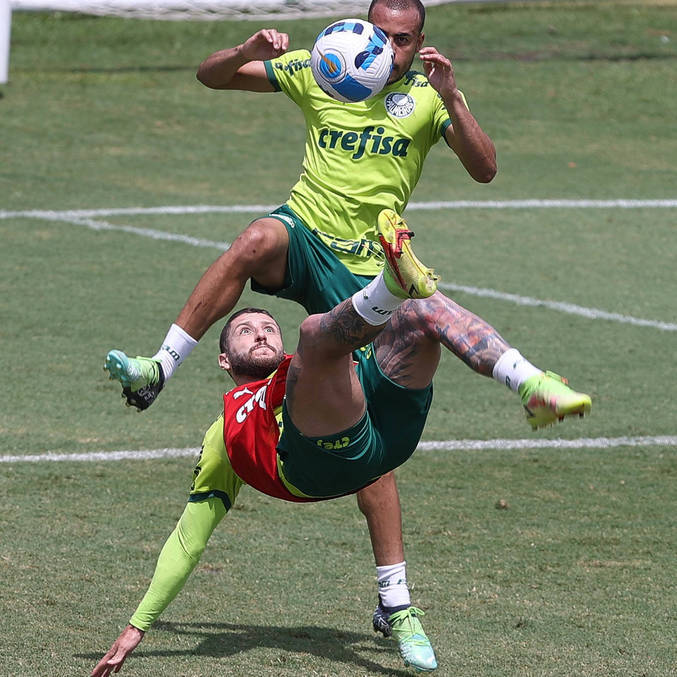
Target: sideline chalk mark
(445, 445)
(621, 203)
(82, 217)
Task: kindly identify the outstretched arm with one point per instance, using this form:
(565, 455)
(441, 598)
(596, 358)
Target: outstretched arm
(242, 67)
(180, 554)
(464, 136)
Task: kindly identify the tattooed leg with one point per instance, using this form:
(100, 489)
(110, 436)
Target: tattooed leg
(342, 330)
(469, 337)
(408, 350)
(324, 395)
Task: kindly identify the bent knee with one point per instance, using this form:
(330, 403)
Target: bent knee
(262, 242)
(310, 332)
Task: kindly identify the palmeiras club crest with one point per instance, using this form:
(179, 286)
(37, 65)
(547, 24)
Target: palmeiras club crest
(400, 105)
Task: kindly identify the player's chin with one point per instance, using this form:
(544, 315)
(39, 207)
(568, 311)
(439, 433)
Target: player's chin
(266, 357)
(394, 76)
(399, 71)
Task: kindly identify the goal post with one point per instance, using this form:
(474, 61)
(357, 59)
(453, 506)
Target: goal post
(5, 23)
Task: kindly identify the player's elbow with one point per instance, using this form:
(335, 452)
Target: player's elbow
(486, 171)
(486, 177)
(202, 76)
(209, 76)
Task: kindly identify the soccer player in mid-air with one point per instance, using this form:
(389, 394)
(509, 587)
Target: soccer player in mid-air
(349, 406)
(320, 246)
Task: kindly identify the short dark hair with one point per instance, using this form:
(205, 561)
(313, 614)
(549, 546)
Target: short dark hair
(223, 338)
(401, 5)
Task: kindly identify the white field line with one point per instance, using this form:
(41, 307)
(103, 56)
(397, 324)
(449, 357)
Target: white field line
(416, 206)
(143, 232)
(570, 308)
(94, 456)
(580, 443)
(83, 217)
(137, 211)
(446, 445)
(546, 204)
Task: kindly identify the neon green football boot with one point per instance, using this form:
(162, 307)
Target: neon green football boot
(404, 275)
(415, 647)
(547, 398)
(142, 378)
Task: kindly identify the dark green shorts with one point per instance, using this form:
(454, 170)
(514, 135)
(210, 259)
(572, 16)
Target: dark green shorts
(315, 277)
(383, 440)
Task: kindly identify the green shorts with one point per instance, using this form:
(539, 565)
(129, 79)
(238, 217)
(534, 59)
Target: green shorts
(315, 277)
(384, 439)
(333, 465)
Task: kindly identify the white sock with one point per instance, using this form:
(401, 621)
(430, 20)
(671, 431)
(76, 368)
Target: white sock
(175, 349)
(376, 303)
(392, 585)
(512, 369)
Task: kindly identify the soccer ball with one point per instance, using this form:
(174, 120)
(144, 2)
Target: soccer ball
(351, 60)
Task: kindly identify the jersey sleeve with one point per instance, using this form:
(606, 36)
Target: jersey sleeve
(177, 559)
(213, 474)
(291, 74)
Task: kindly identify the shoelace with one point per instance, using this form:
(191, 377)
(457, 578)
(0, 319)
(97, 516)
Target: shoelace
(406, 616)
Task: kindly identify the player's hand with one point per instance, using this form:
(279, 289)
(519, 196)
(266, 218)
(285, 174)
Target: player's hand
(124, 645)
(265, 44)
(439, 71)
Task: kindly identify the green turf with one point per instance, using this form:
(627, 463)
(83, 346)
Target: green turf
(576, 577)
(573, 578)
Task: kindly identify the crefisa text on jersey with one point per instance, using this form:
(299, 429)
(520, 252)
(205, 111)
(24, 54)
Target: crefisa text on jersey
(369, 140)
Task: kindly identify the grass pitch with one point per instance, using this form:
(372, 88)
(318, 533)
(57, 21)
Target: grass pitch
(574, 577)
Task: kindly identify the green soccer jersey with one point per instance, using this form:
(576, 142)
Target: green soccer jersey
(360, 158)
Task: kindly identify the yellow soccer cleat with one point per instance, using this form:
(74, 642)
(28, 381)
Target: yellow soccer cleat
(547, 398)
(405, 276)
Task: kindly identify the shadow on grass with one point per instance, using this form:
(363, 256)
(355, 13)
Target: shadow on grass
(221, 640)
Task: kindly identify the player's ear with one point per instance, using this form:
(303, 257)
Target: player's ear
(419, 41)
(224, 362)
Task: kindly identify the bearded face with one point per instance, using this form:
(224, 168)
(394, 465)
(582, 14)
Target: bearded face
(256, 363)
(253, 347)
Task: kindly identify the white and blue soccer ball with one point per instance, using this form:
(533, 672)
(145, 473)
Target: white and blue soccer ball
(351, 60)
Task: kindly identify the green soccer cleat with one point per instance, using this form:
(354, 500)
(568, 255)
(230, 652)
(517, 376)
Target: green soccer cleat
(404, 275)
(142, 379)
(547, 398)
(415, 647)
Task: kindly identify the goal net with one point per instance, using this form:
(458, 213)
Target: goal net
(186, 10)
(206, 9)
